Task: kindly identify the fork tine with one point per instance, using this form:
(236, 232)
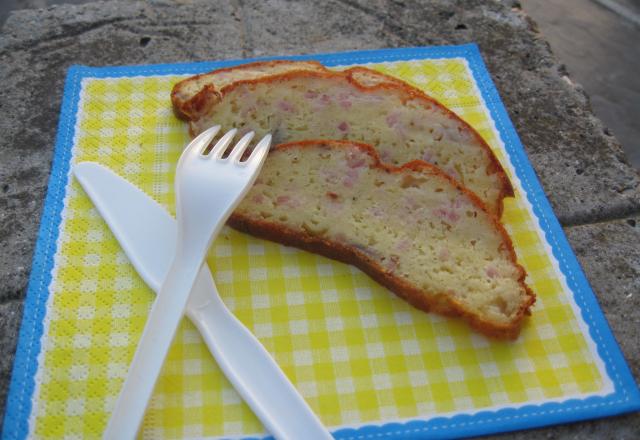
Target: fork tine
(221, 146)
(240, 147)
(259, 153)
(197, 145)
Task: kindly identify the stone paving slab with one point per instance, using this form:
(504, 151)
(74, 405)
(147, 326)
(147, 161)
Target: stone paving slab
(601, 52)
(581, 167)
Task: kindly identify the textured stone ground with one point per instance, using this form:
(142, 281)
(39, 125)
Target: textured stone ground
(594, 192)
(600, 49)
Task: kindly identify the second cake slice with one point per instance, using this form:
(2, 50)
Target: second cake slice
(413, 229)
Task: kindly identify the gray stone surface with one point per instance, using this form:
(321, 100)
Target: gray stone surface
(10, 317)
(599, 47)
(580, 165)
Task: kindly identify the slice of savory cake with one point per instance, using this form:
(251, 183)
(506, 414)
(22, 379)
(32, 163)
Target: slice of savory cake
(411, 228)
(302, 100)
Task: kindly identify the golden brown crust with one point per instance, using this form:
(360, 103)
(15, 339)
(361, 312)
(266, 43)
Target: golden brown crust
(187, 108)
(208, 96)
(442, 304)
(200, 102)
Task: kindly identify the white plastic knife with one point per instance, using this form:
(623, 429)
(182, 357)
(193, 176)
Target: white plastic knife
(143, 227)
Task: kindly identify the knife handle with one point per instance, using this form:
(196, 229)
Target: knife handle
(250, 368)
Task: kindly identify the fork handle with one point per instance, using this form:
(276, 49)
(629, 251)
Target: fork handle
(164, 317)
(251, 369)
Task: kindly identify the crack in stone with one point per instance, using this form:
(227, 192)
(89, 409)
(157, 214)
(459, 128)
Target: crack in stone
(612, 214)
(68, 31)
(631, 217)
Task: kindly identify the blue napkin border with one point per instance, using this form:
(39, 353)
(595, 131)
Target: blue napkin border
(626, 395)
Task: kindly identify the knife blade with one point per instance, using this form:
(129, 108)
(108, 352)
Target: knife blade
(148, 238)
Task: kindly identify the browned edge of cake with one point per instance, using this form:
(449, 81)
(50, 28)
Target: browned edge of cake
(187, 108)
(441, 303)
(210, 95)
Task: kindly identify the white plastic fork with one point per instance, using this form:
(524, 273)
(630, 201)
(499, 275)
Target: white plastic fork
(208, 188)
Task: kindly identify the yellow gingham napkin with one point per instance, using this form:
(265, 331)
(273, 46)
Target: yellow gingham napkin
(357, 354)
